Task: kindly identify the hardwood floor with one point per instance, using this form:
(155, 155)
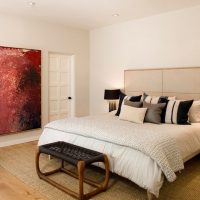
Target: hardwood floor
(13, 189)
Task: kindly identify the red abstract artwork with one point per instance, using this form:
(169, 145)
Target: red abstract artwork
(20, 89)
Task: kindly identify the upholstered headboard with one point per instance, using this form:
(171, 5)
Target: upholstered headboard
(184, 83)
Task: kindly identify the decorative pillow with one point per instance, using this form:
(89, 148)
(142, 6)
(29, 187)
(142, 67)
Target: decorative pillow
(133, 104)
(194, 112)
(130, 98)
(153, 114)
(156, 99)
(132, 114)
(177, 112)
(121, 98)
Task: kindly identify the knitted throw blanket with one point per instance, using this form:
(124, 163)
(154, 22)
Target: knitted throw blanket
(160, 147)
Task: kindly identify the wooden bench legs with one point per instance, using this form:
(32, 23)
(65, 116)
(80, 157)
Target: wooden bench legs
(150, 196)
(80, 176)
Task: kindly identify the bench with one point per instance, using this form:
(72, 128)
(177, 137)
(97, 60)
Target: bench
(76, 156)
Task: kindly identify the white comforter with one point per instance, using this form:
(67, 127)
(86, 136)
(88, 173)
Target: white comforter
(126, 161)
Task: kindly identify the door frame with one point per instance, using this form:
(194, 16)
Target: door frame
(72, 82)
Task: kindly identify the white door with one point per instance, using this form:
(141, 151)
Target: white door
(60, 72)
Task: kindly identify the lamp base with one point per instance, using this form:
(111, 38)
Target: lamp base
(112, 105)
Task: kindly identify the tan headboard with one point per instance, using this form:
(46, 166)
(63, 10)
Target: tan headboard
(184, 83)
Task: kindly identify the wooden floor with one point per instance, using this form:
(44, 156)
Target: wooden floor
(13, 189)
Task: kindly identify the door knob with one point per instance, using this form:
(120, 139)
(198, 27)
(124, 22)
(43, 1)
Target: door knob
(69, 98)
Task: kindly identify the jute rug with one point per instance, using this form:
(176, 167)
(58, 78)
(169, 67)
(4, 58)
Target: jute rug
(19, 160)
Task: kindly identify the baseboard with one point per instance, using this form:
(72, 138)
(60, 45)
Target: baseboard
(19, 138)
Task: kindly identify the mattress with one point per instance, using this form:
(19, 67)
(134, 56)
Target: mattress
(130, 163)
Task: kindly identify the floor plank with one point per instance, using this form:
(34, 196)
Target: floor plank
(13, 189)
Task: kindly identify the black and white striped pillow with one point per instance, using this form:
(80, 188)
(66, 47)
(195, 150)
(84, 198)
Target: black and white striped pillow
(177, 112)
(156, 99)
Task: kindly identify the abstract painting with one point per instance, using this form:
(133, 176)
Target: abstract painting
(20, 89)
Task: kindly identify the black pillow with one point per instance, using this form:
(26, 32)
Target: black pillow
(177, 112)
(130, 98)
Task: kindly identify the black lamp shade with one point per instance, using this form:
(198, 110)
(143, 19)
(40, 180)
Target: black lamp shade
(111, 94)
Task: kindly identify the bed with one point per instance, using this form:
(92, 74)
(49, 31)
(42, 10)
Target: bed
(119, 140)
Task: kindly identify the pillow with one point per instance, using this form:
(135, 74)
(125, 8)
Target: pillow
(156, 99)
(133, 104)
(194, 112)
(130, 98)
(177, 112)
(132, 114)
(153, 114)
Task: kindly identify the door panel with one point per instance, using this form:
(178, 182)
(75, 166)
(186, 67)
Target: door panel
(59, 86)
(53, 78)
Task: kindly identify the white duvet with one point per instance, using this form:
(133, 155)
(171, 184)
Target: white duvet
(125, 161)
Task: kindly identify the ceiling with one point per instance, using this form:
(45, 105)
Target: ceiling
(90, 14)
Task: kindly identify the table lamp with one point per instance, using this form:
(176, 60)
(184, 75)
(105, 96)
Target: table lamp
(112, 96)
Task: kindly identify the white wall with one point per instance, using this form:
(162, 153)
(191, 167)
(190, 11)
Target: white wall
(168, 40)
(26, 33)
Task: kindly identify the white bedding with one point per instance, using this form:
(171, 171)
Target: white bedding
(129, 162)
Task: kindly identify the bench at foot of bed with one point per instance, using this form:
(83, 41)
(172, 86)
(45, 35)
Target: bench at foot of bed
(79, 157)
(150, 196)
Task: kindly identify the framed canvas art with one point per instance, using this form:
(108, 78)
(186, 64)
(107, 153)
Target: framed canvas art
(20, 89)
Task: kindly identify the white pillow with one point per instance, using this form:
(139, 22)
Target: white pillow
(194, 112)
(132, 114)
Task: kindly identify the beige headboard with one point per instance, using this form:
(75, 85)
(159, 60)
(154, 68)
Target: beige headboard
(184, 83)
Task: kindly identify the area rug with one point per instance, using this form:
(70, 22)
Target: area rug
(19, 160)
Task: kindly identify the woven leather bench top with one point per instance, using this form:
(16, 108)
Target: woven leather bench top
(71, 153)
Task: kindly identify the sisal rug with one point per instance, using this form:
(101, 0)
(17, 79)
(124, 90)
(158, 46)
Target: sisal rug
(19, 160)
